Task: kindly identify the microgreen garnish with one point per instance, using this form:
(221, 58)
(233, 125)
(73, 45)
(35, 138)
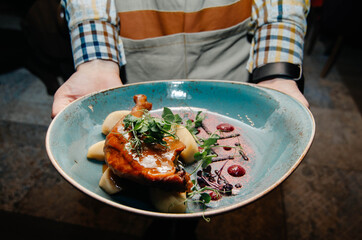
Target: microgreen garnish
(193, 125)
(150, 129)
(204, 196)
(169, 117)
(206, 154)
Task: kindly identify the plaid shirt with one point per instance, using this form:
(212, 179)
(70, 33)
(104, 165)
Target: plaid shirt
(278, 27)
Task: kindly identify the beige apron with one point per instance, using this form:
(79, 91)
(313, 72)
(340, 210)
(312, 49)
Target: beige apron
(189, 39)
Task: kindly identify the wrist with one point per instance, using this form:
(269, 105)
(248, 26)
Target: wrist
(277, 82)
(99, 66)
(279, 70)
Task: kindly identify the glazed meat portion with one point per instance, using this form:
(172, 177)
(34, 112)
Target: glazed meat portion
(156, 165)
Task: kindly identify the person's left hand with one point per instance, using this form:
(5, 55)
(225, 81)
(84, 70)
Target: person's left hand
(287, 86)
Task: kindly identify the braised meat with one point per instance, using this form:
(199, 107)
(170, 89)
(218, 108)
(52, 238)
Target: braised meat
(156, 165)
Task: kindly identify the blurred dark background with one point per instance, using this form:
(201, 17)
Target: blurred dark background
(35, 36)
(320, 200)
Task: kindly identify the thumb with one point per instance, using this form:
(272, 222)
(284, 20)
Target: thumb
(59, 103)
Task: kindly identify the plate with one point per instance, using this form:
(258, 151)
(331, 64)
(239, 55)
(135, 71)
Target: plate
(276, 132)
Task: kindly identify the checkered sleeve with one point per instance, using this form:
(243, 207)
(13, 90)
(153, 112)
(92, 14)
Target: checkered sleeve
(94, 31)
(279, 29)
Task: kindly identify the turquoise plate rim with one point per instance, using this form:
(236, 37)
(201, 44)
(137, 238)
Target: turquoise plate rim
(175, 215)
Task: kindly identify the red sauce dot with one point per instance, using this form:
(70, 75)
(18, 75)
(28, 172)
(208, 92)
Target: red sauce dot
(236, 171)
(214, 196)
(225, 127)
(227, 148)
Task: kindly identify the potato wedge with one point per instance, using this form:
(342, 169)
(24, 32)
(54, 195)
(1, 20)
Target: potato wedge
(112, 119)
(187, 155)
(96, 151)
(108, 184)
(168, 202)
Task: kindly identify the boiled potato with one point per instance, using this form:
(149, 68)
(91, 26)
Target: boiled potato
(187, 155)
(168, 202)
(96, 151)
(112, 119)
(108, 184)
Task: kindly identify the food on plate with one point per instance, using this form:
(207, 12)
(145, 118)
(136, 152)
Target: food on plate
(96, 151)
(151, 151)
(108, 182)
(112, 119)
(187, 155)
(147, 159)
(169, 202)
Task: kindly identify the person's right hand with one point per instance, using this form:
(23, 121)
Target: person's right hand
(90, 77)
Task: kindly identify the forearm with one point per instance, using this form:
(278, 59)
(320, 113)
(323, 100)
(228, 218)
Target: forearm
(93, 28)
(97, 50)
(279, 29)
(278, 37)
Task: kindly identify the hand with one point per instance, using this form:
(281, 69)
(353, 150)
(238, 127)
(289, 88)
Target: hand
(286, 86)
(90, 77)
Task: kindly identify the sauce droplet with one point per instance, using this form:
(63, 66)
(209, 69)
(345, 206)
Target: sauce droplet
(227, 148)
(236, 171)
(215, 196)
(225, 127)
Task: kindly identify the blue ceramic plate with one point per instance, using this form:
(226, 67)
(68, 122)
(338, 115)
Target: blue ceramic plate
(276, 133)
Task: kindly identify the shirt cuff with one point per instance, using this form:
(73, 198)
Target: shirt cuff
(96, 39)
(276, 42)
